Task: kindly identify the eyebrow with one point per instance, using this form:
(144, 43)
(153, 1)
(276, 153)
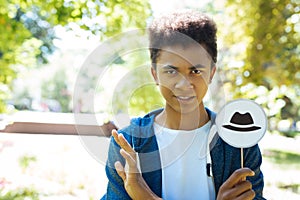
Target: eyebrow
(198, 66)
(170, 66)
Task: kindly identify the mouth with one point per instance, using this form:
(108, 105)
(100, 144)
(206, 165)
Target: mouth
(185, 99)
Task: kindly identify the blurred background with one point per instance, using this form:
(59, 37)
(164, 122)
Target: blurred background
(44, 44)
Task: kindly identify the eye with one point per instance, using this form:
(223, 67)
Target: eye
(171, 71)
(196, 71)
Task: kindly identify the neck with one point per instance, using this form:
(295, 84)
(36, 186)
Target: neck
(172, 119)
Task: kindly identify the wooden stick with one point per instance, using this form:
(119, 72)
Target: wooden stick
(242, 158)
(242, 161)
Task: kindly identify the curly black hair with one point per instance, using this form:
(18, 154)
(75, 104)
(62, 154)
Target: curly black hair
(170, 30)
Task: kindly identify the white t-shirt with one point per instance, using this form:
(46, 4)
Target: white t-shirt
(183, 160)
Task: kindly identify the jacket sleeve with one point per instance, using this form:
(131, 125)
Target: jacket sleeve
(226, 159)
(115, 187)
(253, 160)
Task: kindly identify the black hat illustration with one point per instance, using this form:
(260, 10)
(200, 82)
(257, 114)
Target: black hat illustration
(241, 122)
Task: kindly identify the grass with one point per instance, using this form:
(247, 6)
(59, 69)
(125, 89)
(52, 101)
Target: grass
(20, 194)
(290, 134)
(279, 157)
(293, 187)
(284, 160)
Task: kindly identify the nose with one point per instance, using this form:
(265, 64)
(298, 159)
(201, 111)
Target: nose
(184, 83)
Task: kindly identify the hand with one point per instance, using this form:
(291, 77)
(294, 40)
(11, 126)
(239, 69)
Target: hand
(134, 183)
(236, 187)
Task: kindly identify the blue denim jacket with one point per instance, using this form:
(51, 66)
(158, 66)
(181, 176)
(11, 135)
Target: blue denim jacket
(140, 134)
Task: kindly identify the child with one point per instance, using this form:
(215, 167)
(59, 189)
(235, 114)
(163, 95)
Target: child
(165, 151)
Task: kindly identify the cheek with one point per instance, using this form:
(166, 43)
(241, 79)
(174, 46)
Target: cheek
(165, 90)
(203, 81)
(167, 81)
(201, 86)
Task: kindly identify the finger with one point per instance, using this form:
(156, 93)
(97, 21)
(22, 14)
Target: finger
(120, 170)
(124, 144)
(130, 160)
(241, 188)
(237, 176)
(114, 133)
(249, 195)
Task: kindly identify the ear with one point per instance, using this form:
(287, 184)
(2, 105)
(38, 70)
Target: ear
(154, 75)
(212, 73)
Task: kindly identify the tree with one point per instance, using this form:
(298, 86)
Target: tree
(261, 54)
(136, 93)
(57, 89)
(268, 34)
(27, 28)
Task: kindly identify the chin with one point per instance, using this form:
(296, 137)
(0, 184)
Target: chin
(187, 109)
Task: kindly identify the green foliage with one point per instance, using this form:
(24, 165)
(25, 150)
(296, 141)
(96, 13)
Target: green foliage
(146, 96)
(260, 57)
(284, 159)
(57, 88)
(268, 35)
(144, 100)
(19, 194)
(26, 160)
(137, 93)
(27, 28)
(291, 134)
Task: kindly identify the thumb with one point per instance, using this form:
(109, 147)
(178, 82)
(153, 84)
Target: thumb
(120, 170)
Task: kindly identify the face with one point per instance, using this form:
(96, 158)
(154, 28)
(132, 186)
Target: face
(183, 75)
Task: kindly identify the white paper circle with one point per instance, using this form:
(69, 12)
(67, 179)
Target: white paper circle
(241, 123)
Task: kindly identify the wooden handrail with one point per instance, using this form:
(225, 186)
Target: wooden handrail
(57, 124)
